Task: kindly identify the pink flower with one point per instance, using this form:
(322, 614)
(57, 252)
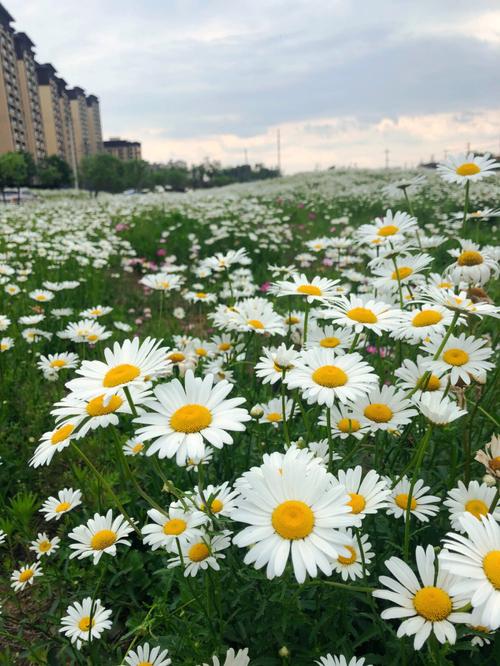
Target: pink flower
(265, 287)
(327, 262)
(300, 205)
(311, 216)
(121, 226)
(161, 252)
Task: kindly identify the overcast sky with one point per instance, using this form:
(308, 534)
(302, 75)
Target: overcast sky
(342, 79)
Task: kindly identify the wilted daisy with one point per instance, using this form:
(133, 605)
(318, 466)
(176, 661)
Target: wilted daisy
(418, 323)
(367, 494)
(466, 167)
(53, 442)
(429, 606)
(44, 545)
(343, 423)
(462, 356)
(184, 417)
(422, 506)
(296, 512)
(384, 409)
(317, 289)
(475, 560)
(100, 535)
(351, 567)
(144, 655)
(202, 553)
(322, 376)
(472, 265)
(85, 621)
(490, 457)
(233, 658)
(129, 365)
(475, 498)
(66, 500)
(275, 362)
(340, 660)
(414, 376)
(439, 409)
(177, 525)
(24, 576)
(363, 313)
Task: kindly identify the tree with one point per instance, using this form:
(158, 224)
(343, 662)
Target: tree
(101, 173)
(13, 172)
(54, 172)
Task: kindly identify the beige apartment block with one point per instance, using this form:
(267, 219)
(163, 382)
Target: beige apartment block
(51, 110)
(94, 124)
(12, 127)
(78, 103)
(67, 121)
(122, 149)
(28, 89)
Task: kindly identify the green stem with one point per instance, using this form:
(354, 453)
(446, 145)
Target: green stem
(466, 206)
(283, 405)
(330, 438)
(420, 456)
(306, 321)
(130, 401)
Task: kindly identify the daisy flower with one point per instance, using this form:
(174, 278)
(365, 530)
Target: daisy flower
(462, 356)
(129, 365)
(329, 337)
(366, 495)
(351, 567)
(413, 376)
(85, 330)
(343, 422)
(296, 513)
(322, 376)
(460, 302)
(162, 281)
(418, 323)
(44, 545)
(200, 297)
(85, 621)
(490, 457)
(340, 660)
(439, 409)
(408, 269)
(24, 576)
(66, 500)
(257, 315)
(362, 313)
(272, 411)
(221, 262)
(384, 408)
(41, 295)
(392, 227)
(202, 553)
(3, 536)
(145, 655)
(97, 311)
(275, 362)
(4, 322)
(53, 442)
(422, 506)
(176, 525)
(100, 535)
(466, 167)
(475, 560)
(184, 417)
(233, 658)
(222, 499)
(317, 289)
(53, 363)
(474, 499)
(428, 605)
(6, 344)
(133, 447)
(472, 265)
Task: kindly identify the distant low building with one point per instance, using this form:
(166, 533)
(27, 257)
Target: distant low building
(122, 149)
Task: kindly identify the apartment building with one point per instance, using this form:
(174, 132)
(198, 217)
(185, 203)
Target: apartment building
(94, 124)
(30, 99)
(79, 117)
(122, 149)
(12, 124)
(48, 91)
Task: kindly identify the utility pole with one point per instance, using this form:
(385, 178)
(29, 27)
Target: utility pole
(387, 151)
(278, 148)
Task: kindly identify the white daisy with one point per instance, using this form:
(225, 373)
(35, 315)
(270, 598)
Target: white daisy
(430, 606)
(466, 167)
(53, 442)
(41, 295)
(384, 409)
(462, 356)
(362, 313)
(408, 269)
(54, 363)
(66, 500)
(162, 281)
(414, 376)
(459, 303)
(275, 362)
(133, 447)
(472, 265)
(272, 411)
(366, 495)
(422, 506)
(340, 660)
(439, 409)
(388, 229)
(418, 323)
(329, 337)
(96, 311)
(202, 553)
(352, 567)
(475, 499)
(233, 658)
(177, 525)
(343, 422)
(100, 535)
(318, 289)
(222, 499)
(144, 655)
(44, 545)
(85, 621)
(24, 576)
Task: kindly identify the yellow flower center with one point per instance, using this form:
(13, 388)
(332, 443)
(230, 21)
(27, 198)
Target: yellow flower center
(495, 464)
(274, 417)
(329, 343)
(58, 363)
(362, 316)
(96, 311)
(378, 412)
(61, 434)
(44, 546)
(467, 169)
(255, 323)
(477, 507)
(85, 623)
(348, 560)
(445, 285)
(176, 357)
(137, 448)
(174, 527)
(292, 320)
(426, 318)
(309, 290)
(433, 383)
(491, 566)
(198, 552)
(357, 502)
(190, 418)
(432, 603)
(455, 357)
(103, 539)
(92, 337)
(348, 425)
(41, 297)
(26, 575)
(225, 346)
(62, 506)
(165, 285)
(200, 294)
(145, 663)
(293, 520)
(329, 376)
(402, 273)
(96, 406)
(402, 501)
(216, 506)
(388, 230)
(201, 351)
(120, 374)
(470, 258)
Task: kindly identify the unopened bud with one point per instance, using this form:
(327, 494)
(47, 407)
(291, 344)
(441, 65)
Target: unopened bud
(256, 412)
(489, 480)
(284, 651)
